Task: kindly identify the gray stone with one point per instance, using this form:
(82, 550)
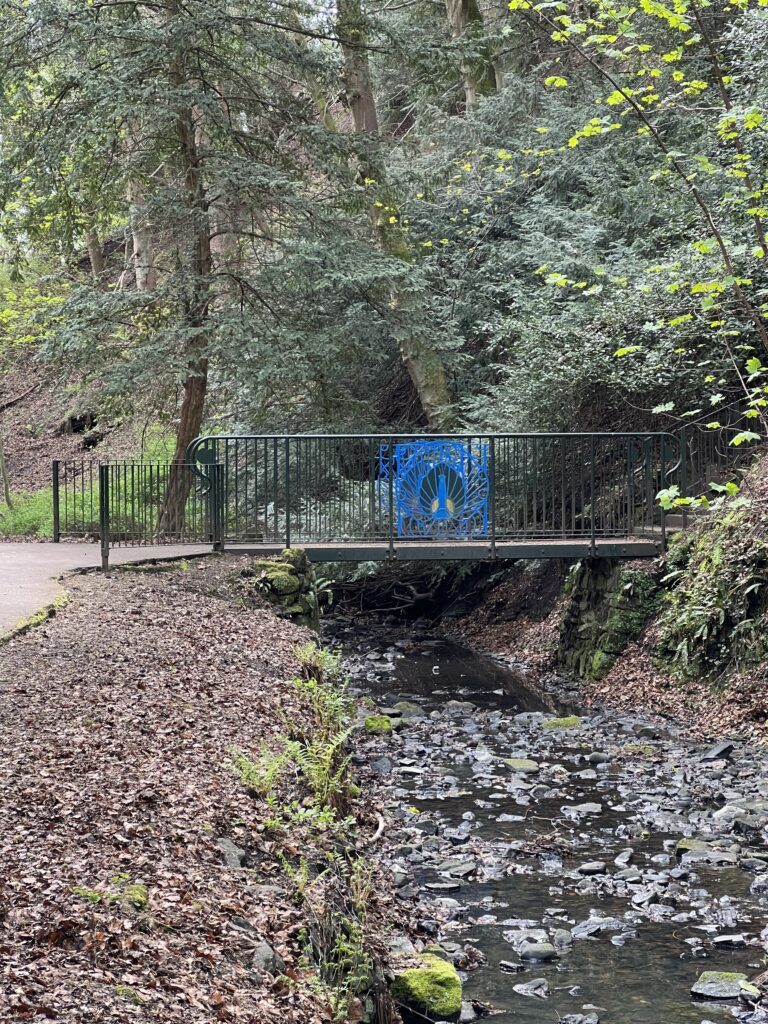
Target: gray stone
(599, 757)
(719, 985)
(592, 867)
(536, 987)
(759, 886)
(232, 854)
(468, 1013)
(266, 959)
(537, 952)
(719, 751)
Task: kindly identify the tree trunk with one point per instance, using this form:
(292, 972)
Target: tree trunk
(424, 365)
(4, 476)
(480, 77)
(96, 256)
(143, 250)
(172, 519)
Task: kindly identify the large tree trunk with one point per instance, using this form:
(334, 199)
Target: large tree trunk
(198, 245)
(424, 365)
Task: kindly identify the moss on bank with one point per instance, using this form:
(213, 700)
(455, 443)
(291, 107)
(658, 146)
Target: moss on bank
(432, 990)
(609, 605)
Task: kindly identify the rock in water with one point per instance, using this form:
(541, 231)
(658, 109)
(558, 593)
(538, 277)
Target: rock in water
(432, 990)
(537, 952)
(538, 987)
(719, 985)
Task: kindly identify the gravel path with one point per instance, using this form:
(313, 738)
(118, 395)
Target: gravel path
(28, 572)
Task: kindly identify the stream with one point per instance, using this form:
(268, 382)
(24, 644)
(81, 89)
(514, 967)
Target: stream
(554, 851)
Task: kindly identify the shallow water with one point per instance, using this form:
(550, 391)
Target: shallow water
(642, 976)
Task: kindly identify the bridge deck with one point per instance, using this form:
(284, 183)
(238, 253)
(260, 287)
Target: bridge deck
(403, 551)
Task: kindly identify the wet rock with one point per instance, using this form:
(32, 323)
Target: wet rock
(468, 1013)
(562, 939)
(718, 985)
(537, 988)
(592, 867)
(443, 886)
(557, 724)
(599, 757)
(623, 859)
(433, 989)
(759, 886)
(580, 1018)
(581, 810)
(378, 725)
(720, 750)
(510, 967)
(537, 952)
(382, 766)
(595, 925)
(408, 709)
(522, 764)
(729, 941)
(265, 959)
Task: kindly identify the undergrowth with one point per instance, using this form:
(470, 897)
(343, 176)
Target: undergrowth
(716, 619)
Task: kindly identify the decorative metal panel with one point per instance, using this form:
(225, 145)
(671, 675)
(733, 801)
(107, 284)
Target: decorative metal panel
(439, 489)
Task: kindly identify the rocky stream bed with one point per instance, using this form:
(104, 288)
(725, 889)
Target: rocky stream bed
(575, 867)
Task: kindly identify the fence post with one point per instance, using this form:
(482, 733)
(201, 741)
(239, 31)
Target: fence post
(216, 502)
(104, 513)
(592, 542)
(56, 512)
(683, 441)
(287, 492)
(493, 496)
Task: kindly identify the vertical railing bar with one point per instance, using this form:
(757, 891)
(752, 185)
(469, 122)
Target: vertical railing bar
(391, 475)
(493, 495)
(287, 492)
(593, 545)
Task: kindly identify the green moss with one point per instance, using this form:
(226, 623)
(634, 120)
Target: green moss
(569, 722)
(126, 992)
(136, 895)
(434, 989)
(378, 725)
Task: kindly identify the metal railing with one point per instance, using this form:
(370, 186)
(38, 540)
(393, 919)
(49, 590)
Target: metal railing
(362, 488)
(138, 504)
(356, 490)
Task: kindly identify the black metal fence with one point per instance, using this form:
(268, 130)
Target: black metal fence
(362, 489)
(353, 488)
(136, 504)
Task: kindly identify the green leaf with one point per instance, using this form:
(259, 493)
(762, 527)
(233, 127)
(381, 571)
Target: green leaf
(743, 437)
(629, 350)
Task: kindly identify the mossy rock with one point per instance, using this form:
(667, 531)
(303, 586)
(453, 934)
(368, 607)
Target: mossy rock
(283, 583)
(432, 990)
(569, 722)
(296, 557)
(691, 846)
(378, 725)
(720, 984)
(522, 764)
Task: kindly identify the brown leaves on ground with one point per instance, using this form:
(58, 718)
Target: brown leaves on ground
(520, 617)
(116, 721)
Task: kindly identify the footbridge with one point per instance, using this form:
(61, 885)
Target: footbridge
(393, 497)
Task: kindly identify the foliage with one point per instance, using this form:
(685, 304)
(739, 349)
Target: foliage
(717, 613)
(30, 516)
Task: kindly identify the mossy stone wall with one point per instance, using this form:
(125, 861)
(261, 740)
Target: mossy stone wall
(608, 607)
(288, 584)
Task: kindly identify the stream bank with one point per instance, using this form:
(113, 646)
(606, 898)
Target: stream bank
(575, 866)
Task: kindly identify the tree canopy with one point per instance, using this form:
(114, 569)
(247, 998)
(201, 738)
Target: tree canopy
(361, 215)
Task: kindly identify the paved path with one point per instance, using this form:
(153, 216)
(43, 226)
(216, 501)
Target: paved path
(28, 572)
